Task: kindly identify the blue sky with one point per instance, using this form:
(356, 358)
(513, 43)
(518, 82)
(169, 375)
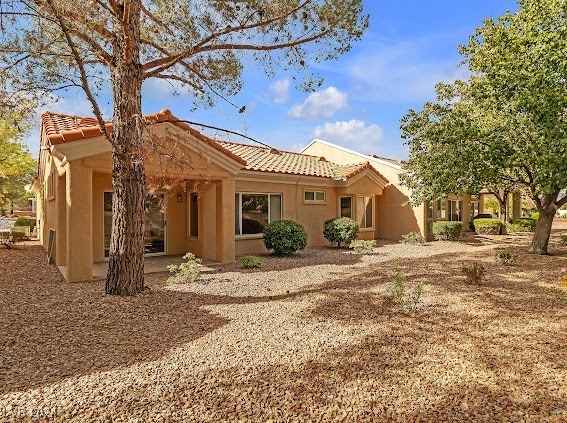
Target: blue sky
(410, 46)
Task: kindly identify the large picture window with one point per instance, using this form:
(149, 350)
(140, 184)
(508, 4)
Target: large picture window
(365, 212)
(255, 211)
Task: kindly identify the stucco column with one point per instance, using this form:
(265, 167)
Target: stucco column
(61, 224)
(225, 221)
(79, 222)
(466, 212)
(516, 205)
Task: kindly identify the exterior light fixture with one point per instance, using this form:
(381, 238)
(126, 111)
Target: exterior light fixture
(179, 198)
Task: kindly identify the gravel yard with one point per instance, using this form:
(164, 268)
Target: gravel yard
(304, 338)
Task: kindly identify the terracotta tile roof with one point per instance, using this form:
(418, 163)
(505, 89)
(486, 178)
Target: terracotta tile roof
(61, 128)
(264, 159)
(386, 159)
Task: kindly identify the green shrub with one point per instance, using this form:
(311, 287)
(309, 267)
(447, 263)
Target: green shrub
(535, 216)
(563, 239)
(474, 272)
(189, 271)
(487, 226)
(398, 294)
(250, 262)
(25, 221)
(523, 224)
(340, 230)
(363, 246)
(284, 237)
(443, 230)
(505, 257)
(412, 238)
(559, 293)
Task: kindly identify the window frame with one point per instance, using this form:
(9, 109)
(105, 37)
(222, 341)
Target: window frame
(315, 192)
(50, 186)
(190, 196)
(240, 235)
(368, 228)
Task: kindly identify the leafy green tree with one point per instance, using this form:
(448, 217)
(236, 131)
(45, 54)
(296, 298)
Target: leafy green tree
(17, 166)
(505, 127)
(201, 45)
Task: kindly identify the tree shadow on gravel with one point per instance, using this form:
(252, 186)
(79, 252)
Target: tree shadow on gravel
(52, 330)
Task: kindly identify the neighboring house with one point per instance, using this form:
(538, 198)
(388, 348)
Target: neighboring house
(396, 216)
(213, 200)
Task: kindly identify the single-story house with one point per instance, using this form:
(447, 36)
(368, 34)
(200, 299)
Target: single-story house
(397, 216)
(208, 197)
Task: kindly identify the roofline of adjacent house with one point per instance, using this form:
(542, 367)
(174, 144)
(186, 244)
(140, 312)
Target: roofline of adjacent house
(356, 153)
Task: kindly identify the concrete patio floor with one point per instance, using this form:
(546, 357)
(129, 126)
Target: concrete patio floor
(152, 264)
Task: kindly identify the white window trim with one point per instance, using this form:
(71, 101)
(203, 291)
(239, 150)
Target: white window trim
(314, 201)
(260, 235)
(371, 228)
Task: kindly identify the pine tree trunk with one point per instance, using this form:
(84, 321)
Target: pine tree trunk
(126, 257)
(540, 240)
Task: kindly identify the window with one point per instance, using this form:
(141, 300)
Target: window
(254, 211)
(314, 196)
(441, 209)
(455, 207)
(365, 212)
(193, 215)
(346, 207)
(474, 209)
(50, 186)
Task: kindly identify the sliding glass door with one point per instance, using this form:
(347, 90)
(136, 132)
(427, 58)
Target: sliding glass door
(155, 223)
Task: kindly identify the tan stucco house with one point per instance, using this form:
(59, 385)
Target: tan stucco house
(397, 217)
(211, 197)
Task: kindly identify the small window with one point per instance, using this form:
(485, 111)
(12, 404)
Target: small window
(193, 215)
(315, 196)
(50, 186)
(346, 207)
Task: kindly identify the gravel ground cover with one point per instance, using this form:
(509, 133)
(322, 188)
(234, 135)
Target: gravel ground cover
(305, 338)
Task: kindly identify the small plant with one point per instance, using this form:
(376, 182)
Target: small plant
(189, 271)
(563, 277)
(284, 237)
(444, 230)
(398, 295)
(487, 226)
(505, 257)
(363, 246)
(412, 238)
(474, 272)
(340, 230)
(535, 216)
(563, 239)
(524, 224)
(560, 294)
(250, 262)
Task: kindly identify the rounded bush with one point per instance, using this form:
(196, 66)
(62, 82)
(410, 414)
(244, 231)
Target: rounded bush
(487, 226)
(535, 216)
(25, 221)
(523, 224)
(340, 230)
(284, 237)
(443, 230)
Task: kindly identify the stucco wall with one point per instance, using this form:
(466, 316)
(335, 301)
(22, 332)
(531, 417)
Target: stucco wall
(394, 217)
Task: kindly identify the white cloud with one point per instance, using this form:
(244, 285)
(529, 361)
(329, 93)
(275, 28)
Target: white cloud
(322, 104)
(353, 134)
(279, 91)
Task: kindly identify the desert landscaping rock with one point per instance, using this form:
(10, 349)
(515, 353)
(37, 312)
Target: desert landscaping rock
(305, 338)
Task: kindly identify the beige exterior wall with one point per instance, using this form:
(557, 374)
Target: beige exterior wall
(310, 215)
(75, 208)
(395, 217)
